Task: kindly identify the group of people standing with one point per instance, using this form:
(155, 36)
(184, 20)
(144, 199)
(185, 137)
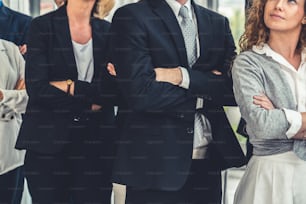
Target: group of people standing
(166, 65)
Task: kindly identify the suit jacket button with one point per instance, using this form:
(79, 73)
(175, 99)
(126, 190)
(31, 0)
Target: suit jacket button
(76, 119)
(181, 115)
(189, 130)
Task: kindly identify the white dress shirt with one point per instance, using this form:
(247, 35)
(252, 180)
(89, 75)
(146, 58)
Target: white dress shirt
(83, 54)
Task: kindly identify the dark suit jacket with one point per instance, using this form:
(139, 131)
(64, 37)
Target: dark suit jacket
(51, 114)
(13, 25)
(157, 137)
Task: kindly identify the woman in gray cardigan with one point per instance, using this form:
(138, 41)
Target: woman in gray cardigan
(269, 84)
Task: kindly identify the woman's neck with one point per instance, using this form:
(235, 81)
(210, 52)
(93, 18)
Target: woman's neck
(79, 12)
(287, 47)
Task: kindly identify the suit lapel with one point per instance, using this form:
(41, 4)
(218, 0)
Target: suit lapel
(204, 30)
(98, 40)
(62, 34)
(162, 9)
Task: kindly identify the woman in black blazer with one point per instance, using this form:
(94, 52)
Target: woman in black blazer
(68, 127)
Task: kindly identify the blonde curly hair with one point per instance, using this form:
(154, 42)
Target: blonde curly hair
(256, 32)
(102, 8)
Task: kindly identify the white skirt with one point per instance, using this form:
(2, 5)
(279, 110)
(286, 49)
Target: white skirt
(273, 179)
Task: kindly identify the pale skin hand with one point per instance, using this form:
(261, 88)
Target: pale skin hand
(170, 75)
(20, 85)
(264, 102)
(22, 49)
(62, 85)
(174, 75)
(111, 69)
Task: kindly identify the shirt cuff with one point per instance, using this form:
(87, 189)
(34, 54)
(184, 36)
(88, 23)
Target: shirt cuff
(186, 80)
(295, 120)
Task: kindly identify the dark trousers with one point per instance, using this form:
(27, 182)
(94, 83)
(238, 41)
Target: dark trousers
(79, 174)
(11, 186)
(203, 186)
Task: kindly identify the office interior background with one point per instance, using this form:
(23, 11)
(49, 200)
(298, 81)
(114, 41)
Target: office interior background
(233, 9)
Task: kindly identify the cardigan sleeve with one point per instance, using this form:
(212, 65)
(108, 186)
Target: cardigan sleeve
(248, 81)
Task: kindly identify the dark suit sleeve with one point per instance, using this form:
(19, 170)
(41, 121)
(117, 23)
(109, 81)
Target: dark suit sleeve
(25, 29)
(135, 69)
(38, 64)
(208, 85)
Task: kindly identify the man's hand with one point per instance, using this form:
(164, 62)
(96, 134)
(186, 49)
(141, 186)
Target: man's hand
(95, 107)
(216, 72)
(170, 75)
(111, 69)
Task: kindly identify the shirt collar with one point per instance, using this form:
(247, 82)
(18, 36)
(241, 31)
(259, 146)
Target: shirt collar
(176, 6)
(264, 48)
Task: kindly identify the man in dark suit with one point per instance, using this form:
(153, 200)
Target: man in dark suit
(14, 26)
(172, 71)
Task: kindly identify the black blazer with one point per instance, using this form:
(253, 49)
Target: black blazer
(51, 113)
(157, 136)
(13, 25)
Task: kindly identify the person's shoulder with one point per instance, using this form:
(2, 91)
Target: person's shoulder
(8, 46)
(249, 57)
(250, 54)
(209, 12)
(45, 19)
(18, 15)
(137, 8)
(98, 23)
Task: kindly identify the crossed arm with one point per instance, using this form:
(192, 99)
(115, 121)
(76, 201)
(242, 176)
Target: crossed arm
(264, 102)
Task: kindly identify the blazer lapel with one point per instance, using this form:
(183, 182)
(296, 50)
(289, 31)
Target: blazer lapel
(62, 34)
(98, 40)
(204, 31)
(162, 9)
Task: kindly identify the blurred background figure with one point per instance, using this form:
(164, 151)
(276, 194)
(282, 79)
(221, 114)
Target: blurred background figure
(14, 26)
(59, 3)
(13, 101)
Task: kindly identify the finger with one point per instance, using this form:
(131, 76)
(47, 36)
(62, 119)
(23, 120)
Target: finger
(22, 49)
(263, 104)
(258, 97)
(111, 69)
(216, 72)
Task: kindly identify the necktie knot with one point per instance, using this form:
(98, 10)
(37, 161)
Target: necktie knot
(184, 12)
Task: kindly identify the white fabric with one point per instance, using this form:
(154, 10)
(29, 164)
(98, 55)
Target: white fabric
(11, 107)
(296, 80)
(295, 120)
(274, 179)
(83, 54)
